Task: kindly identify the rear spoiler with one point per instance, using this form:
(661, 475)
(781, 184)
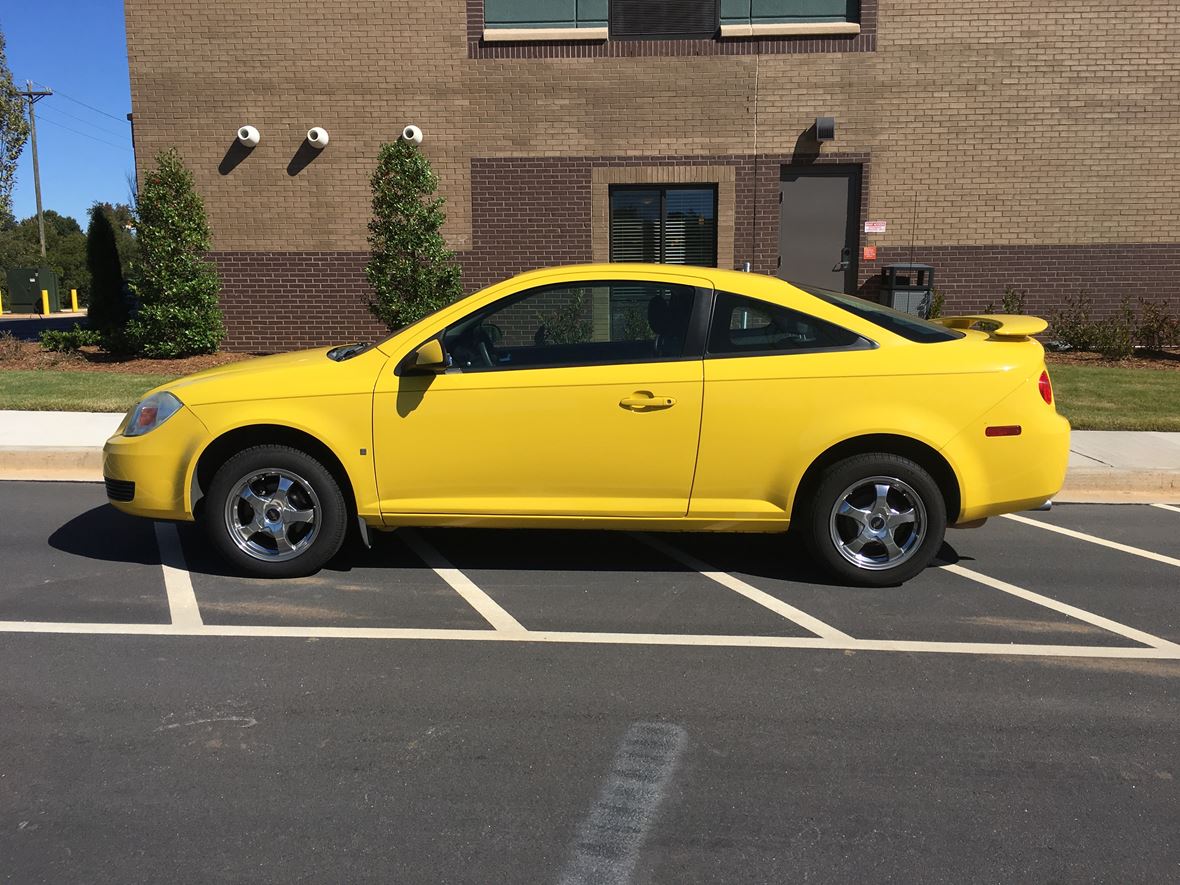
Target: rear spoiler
(1002, 326)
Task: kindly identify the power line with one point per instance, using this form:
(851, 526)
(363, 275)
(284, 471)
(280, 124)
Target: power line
(88, 123)
(87, 106)
(121, 147)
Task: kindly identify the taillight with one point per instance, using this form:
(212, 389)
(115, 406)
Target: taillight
(1045, 386)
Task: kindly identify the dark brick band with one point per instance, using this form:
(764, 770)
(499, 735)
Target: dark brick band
(276, 301)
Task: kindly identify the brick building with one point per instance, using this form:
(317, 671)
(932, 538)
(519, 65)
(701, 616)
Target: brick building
(1023, 143)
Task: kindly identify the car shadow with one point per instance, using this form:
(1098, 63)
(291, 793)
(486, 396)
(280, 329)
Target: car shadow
(104, 533)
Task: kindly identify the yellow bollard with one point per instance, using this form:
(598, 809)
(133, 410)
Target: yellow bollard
(1, 302)
(74, 300)
(44, 302)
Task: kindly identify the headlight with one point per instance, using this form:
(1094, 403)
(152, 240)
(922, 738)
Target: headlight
(150, 413)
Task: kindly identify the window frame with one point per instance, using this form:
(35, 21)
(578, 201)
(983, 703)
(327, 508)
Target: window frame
(663, 189)
(694, 339)
(862, 343)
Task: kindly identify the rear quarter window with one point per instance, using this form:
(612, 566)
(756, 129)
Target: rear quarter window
(748, 326)
(906, 325)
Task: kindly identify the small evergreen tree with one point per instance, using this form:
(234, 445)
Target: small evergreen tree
(175, 284)
(14, 131)
(410, 268)
(108, 298)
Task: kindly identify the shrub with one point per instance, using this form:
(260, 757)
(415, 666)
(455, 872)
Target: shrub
(1014, 300)
(937, 303)
(1115, 338)
(1157, 328)
(410, 268)
(69, 340)
(10, 346)
(1072, 325)
(177, 287)
(108, 313)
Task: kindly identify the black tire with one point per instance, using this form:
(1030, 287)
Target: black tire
(311, 489)
(858, 480)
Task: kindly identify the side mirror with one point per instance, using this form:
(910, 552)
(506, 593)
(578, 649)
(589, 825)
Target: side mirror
(430, 357)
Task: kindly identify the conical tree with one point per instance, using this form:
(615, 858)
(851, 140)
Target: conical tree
(175, 284)
(108, 298)
(410, 268)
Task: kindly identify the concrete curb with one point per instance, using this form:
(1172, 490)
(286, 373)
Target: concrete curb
(1108, 485)
(59, 464)
(1083, 485)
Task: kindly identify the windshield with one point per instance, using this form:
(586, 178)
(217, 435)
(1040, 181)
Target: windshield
(904, 324)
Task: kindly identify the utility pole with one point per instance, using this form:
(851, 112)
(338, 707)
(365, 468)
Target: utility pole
(35, 96)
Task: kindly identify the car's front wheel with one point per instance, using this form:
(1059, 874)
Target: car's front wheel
(275, 512)
(875, 519)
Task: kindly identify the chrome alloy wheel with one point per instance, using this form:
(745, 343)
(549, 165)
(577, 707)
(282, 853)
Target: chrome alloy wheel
(878, 523)
(272, 514)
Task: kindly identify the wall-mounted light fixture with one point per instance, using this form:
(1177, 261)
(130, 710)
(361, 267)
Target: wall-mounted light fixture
(248, 136)
(412, 134)
(317, 137)
(825, 129)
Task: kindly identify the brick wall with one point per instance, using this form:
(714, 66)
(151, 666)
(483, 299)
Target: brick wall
(1004, 136)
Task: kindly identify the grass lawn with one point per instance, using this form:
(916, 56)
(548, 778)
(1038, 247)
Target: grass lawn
(46, 390)
(1100, 398)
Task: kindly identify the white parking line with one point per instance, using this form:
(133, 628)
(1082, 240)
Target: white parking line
(460, 583)
(764, 599)
(1082, 536)
(1065, 609)
(568, 638)
(1167, 507)
(182, 601)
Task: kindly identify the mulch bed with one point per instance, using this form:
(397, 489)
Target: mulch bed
(1167, 360)
(29, 355)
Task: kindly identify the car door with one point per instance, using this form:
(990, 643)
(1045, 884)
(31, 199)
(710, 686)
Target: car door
(777, 381)
(575, 398)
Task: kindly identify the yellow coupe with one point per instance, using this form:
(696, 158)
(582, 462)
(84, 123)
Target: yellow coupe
(619, 396)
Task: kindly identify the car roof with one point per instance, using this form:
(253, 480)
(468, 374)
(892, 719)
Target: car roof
(720, 278)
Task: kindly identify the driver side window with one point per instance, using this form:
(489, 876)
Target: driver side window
(574, 324)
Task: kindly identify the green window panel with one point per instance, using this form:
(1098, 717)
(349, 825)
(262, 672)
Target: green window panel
(745, 12)
(545, 13)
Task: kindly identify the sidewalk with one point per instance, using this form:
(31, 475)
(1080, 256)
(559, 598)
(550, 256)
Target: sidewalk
(1112, 467)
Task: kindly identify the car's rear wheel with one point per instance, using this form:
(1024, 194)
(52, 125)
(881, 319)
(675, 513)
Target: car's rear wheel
(275, 512)
(875, 519)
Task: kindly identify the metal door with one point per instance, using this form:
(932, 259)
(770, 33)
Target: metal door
(818, 220)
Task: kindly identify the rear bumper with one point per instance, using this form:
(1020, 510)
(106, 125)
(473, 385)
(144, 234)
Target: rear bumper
(148, 475)
(1009, 474)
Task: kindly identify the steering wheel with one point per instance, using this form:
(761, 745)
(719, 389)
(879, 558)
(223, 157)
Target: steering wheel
(485, 336)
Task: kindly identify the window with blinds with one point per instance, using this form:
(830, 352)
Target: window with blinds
(664, 19)
(664, 225)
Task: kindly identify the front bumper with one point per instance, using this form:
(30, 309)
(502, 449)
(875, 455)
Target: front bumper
(156, 468)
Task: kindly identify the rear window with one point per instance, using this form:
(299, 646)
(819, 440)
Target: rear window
(904, 324)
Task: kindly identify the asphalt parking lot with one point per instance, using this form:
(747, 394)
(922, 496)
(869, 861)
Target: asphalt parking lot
(490, 706)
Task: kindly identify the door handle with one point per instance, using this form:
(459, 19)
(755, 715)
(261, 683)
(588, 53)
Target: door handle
(845, 259)
(644, 400)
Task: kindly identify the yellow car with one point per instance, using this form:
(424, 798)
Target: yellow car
(613, 396)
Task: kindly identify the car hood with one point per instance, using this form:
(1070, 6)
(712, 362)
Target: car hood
(297, 374)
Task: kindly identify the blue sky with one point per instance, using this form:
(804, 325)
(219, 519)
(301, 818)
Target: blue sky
(76, 47)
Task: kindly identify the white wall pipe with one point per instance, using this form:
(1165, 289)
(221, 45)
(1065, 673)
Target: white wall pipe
(412, 134)
(248, 136)
(317, 137)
